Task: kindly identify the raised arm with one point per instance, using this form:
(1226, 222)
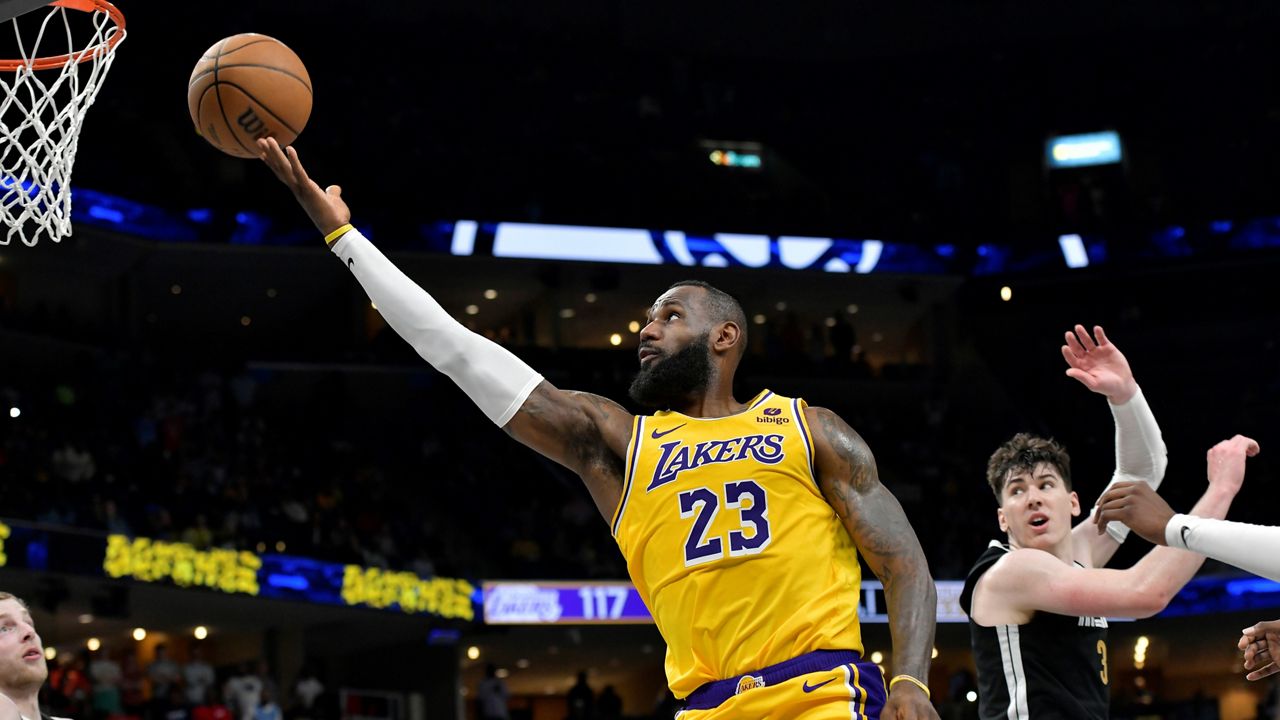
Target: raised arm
(1140, 451)
(583, 432)
(849, 481)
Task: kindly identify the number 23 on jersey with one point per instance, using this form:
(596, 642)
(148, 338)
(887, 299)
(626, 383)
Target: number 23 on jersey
(703, 504)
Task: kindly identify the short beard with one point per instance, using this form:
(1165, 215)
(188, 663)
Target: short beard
(672, 381)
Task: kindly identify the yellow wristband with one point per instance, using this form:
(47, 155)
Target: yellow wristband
(914, 681)
(328, 239)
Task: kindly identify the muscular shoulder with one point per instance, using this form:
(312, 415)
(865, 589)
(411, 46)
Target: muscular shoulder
(842, 454)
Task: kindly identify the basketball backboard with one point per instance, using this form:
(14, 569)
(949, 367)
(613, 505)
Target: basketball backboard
(14, 8)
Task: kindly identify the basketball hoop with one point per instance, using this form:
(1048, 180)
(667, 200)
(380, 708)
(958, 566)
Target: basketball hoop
(43, 99)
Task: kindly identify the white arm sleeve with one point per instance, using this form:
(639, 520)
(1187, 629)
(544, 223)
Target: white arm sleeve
(495, 380)
(1248, 547)
(1141, 455)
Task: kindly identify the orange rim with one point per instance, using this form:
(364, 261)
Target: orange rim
(56, 61)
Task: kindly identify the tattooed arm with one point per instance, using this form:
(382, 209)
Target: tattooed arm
(847, 475)
(586, 433)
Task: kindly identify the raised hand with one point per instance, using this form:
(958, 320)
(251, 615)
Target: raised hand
(1227, 459)
(1136, 505)
(325, 207)
(1098, 365)
(1261, 645)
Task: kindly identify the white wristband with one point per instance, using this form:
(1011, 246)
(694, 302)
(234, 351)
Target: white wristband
(497, 381)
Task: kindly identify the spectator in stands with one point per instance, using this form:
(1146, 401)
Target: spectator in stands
(244, 693)
(609, 705)
(69, 687)
(307, 692)
(267, 708)
(198, 677)
(163, 673)
(212, 708)
(492, 696)
(582, 699)
(106, 676)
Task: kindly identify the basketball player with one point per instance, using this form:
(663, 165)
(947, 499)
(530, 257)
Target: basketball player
(740, 521)
(1248, 547)
(22, 665)
(1038, 603)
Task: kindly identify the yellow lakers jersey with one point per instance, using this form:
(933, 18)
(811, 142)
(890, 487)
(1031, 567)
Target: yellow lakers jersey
(731, 544)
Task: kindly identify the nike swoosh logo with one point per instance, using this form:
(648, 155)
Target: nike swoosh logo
(351, 262)
(1184, 530)
(810, 688)
(657, 434)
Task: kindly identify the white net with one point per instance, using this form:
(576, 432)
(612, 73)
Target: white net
(64, 56)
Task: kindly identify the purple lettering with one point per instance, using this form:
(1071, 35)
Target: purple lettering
(748, 445)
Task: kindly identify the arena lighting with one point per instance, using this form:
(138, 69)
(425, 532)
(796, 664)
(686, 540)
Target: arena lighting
(734, 155)
(201, 632)
(14, 412)
(877, 657)
(1073, 251)
(139, 634)
(1071, 151)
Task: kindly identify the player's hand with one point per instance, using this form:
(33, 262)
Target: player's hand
(1226, 462)
(1135, 504)
(1098, 364)
(908, 702)
(1261, 646)
(325, 207)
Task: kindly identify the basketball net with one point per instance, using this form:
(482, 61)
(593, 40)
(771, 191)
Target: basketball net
(43, 100)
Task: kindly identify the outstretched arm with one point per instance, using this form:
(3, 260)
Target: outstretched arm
(1140, 451)
(1248, 547)
(583, 432)
(880, 530)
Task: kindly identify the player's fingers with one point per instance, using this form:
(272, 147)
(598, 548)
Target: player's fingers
(1085, 340)
(1074, 343)
(1100, 335)
(296, 166)
(1250, 445)
(1260, 673)
(1083, 377)
(334, 190)
(1069, 356)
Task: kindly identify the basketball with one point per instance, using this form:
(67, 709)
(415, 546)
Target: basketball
(246, 87)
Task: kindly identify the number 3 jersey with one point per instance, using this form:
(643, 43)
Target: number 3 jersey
(737, 555)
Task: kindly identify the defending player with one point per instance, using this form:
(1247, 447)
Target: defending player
(23, 668)
(740, 522)
(1038, 603)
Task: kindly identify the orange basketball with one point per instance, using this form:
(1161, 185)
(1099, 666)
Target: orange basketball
(245, 87)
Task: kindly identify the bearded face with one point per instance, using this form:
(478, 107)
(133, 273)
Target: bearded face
(666, 381)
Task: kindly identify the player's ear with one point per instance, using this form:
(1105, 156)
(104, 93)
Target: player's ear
(726, 336)
(1075, 504)
(1004, 525)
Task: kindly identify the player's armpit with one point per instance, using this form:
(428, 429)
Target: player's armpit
(848, 478)
(584, 432)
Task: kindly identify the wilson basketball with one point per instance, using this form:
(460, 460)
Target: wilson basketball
(246, 87)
